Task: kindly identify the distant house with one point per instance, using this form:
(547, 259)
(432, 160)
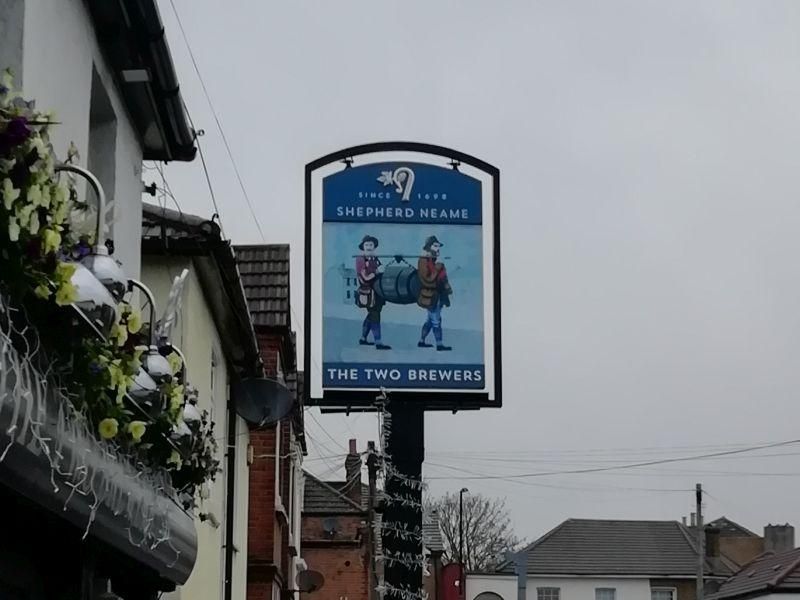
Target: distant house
(769, 576)
(336, 537)
(607, 560)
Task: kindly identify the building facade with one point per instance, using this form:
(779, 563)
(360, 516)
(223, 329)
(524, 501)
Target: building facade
(274, 555)
(105, 70)
(107, 75)
(219, 344)
(608, 560)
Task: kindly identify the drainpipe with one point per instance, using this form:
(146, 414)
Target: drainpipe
(231, 495)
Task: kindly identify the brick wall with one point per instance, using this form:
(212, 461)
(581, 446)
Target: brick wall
(741, 549)
(345, 570)
(343, 559)
(267, 537)
(350, 527)
(261, 516)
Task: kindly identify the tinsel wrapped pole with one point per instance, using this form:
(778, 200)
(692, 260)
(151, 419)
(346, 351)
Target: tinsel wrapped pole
(405, 447)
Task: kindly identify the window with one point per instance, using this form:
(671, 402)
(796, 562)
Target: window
(662, 594)
(101, 159)
(548, 593)
(605, 593)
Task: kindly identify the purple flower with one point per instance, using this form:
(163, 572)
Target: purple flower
(15, 133)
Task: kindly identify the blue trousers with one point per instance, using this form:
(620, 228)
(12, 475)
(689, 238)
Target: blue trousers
(433, 322)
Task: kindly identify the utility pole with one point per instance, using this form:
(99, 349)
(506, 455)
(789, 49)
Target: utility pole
(701, 555)
(372, 471)
(461, 579)
(407, 450)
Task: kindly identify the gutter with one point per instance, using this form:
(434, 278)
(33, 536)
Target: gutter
(167, 90)
(131, 35)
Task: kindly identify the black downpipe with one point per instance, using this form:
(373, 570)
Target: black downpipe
(231, 505)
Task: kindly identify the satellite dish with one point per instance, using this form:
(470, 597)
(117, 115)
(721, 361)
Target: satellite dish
(262, 401)
(310, 581)
(330, 526)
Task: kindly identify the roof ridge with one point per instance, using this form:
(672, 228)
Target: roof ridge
(579, 519)
(333, 490)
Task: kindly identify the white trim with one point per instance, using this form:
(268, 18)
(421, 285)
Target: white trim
(663, 588)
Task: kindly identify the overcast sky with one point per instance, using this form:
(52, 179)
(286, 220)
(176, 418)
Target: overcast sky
(649, 155)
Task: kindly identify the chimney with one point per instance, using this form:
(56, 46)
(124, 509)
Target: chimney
(684, 521)
(352, 469)
(693, 519)
(778, 538)
(712, 542)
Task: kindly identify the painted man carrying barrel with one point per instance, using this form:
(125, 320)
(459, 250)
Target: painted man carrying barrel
(434, 294)
(368, 267)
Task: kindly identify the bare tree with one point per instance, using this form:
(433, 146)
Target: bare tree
(487, 529)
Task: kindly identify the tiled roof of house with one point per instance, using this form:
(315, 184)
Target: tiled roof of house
(766, 574)
(166, 232)
(327, 497)
(265, 276)
(600, 547)
(728, 528)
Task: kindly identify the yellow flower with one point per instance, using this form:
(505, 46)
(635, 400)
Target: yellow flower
(134, 321)
(175, 459)
(59, 194)
(137, 429)
(23, 213)
(66, 293)
(10, 193)
(116, 374)
(108, 428)
(119, 333)
(13, 229)
(65, 271)
(34, 195)
(42, 291)
(33, 226)
(60, 213)
(51, 240)
(175, 362)
(46, 196)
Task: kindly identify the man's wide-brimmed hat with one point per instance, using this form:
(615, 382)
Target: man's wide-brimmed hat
(368, 238)
(430, 242)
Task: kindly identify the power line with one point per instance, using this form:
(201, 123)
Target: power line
(627, 466)
(561, 487)
(219, 124)
(205, 171)
(325, 431)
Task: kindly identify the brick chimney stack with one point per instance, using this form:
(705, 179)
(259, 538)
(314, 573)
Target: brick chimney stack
(712, 542)
(778, 538)
(352, 468)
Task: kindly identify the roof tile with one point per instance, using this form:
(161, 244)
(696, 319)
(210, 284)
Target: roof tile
(601, 547)
(265, 277)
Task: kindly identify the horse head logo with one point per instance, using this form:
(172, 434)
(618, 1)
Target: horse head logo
(403, 180)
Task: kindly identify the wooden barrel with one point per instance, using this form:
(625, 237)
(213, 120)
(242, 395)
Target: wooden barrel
(399, 284)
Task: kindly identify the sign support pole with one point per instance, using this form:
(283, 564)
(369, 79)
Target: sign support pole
(406, 449)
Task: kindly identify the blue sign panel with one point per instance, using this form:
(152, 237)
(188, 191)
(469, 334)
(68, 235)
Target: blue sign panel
(402, 282)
